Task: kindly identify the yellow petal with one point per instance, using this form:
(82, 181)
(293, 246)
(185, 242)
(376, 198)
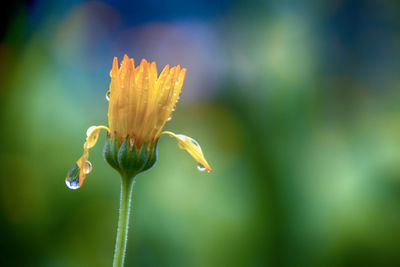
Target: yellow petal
(192, 147)
(92, 134)
(83, 162)
(140, 101)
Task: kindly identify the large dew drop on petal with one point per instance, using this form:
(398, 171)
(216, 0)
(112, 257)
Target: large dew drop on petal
(72, 179)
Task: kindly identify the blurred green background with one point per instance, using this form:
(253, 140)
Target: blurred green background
(296, 105)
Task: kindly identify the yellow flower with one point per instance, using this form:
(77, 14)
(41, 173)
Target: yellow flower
(140, 103)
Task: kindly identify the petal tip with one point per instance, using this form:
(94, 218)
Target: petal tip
(208, 168)
(115, 64)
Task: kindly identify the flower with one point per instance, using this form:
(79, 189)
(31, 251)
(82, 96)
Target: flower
(140, 104)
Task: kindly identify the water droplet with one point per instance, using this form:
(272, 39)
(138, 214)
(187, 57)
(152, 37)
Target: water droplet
(201, 168)
(88, 167)
(72, 184)
(72, 180)
(194, 142)
(90, 129)
(170, 118)
(108, 95)
(179, 97)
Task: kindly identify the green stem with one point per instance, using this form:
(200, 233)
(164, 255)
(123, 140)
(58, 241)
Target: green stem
(123, 221)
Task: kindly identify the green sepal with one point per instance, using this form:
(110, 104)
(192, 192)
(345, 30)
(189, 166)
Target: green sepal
(110, 152)
(130, 161)
(152, 158)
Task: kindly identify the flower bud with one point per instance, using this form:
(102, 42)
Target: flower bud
(128, 159)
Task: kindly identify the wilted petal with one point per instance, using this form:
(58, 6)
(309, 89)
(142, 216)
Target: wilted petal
(192, 147)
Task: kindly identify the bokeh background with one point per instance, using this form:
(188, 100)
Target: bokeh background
(296, 105)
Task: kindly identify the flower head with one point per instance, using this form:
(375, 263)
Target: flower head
(140, 103)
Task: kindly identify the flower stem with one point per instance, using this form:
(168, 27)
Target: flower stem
(123, 221)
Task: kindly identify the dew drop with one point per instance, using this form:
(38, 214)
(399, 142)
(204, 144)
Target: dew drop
(169, 118)
(201, 168)
(72, 180)
(194, 142)
(72, 184)
(108, 95)
(88, 167)
(90, 129)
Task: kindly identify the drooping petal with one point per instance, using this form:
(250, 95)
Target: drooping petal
(84, 165)
(92, 134)
(192, 147)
